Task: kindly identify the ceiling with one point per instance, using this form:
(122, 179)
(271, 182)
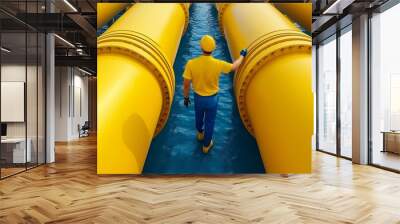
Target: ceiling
(39, 6)
(331, 15)
(74, 21)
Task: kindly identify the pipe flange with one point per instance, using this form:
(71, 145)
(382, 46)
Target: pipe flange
(221, 7)
(260, 52)
(146, 51)
(185, 7)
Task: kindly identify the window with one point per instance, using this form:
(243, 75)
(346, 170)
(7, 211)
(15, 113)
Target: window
(327, 95)
(314, 86)
(22, 77)
(394, 102)
(346, 92)
(385, 89)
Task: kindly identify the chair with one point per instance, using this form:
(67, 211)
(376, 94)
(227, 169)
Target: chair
(84, 130)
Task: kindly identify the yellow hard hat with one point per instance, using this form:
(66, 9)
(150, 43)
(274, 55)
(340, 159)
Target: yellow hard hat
(207, 43)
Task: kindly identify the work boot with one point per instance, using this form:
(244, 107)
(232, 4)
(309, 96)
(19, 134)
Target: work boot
(200, 136)
(207, 148)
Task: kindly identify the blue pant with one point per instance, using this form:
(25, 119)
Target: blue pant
(206, 110)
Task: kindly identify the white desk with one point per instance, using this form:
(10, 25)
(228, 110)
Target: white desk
(18, 149)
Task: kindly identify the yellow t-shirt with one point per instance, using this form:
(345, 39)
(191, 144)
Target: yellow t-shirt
(204, 71)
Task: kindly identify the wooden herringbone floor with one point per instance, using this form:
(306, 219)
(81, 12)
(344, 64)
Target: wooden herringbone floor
(69, 191)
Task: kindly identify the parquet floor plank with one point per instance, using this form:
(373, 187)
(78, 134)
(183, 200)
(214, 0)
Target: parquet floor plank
(70, 191)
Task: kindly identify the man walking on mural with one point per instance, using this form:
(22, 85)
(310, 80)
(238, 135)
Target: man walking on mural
(203, 73)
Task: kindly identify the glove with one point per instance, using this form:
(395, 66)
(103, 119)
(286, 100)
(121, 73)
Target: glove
(186, 102)
(243, 52)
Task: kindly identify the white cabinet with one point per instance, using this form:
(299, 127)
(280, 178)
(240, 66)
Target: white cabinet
(19, 155)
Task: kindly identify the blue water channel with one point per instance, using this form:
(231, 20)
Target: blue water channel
(175, 150)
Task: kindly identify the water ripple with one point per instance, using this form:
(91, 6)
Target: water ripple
(175, 150)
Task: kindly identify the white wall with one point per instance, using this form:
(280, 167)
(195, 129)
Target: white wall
(9, 73)
(16, 72)
(71, 102)
(81, 84)
(33, 127)
(62, 82)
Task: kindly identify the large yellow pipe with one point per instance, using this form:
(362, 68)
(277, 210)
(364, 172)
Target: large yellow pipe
(136, 83)
(106, 11)
(298, 12)
(273, 86)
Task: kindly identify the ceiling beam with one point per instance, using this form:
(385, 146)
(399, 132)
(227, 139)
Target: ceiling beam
(81, 61)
